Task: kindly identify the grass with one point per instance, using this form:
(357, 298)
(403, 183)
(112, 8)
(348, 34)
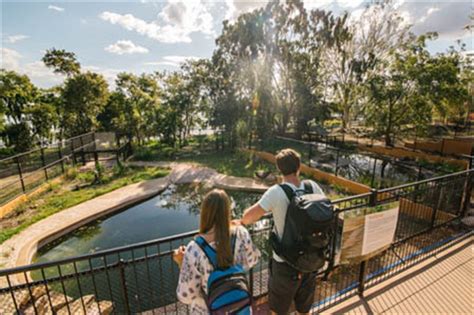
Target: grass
(58, 197)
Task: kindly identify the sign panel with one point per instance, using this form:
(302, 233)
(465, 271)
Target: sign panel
(379, 230)
(365, 236)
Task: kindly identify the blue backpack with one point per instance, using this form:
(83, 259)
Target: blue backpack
(227, 289)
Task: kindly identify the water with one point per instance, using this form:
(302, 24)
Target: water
(174, 211)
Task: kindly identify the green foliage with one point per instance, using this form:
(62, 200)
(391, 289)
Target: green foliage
(84, 96)
(57, 199)
(61, 61)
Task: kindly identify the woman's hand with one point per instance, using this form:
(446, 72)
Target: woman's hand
(178, 255)
(236, 222)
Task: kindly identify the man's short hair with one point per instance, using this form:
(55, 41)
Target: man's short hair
(288, 161)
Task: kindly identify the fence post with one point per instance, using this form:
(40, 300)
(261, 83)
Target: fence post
(20, 173)
(60, 156)
(123, 282)
(73, 153)
(337, 162)
(437, 206)
(418, 178)
(363, 264)
(310, 153)
(372, 181)
(362, 270)
(43, 163)
(467, 194)
(82, 151)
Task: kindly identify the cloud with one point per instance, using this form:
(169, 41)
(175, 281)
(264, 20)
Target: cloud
(122, 47)
(237, 7)
(9, 59)
(173, 61)
(176, 22)
(448, 18)
(15, 38)
(55, 8)
(109, 74)
(36, 71)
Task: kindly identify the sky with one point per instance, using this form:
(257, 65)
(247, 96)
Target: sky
(139, 36)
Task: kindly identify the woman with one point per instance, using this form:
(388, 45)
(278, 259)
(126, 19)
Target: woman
(216, 229)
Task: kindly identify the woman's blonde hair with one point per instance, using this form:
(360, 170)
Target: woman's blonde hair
(215, 213)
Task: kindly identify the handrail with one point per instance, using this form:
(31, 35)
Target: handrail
(97, 254)
(424, 181)
(43, 147)
(192, 233)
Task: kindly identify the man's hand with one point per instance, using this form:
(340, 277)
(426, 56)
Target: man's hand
(178, 255)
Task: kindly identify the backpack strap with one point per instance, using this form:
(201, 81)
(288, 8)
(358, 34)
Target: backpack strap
(289, 192)
(308, 187)
(210, 252)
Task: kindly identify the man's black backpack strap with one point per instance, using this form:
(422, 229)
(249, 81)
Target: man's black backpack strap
(308, 187)
(290, 193)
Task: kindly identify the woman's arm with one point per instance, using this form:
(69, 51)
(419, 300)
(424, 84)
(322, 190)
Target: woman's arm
(189, 283)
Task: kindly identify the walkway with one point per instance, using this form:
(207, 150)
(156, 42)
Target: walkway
(443, 284)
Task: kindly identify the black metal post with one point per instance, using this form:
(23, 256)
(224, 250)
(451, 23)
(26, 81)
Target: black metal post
(437, 206)
(20, 173)
(362, 270)
(310, 153)
(123, 282)
(82, 151)
(60, 156)
(337, 163)
(43, 163)
(372, 181)
(73, 153)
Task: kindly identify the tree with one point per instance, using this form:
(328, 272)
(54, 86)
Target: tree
(358, 46)
(17, 94)
(62, 62)
(412, 87)
(83, 97)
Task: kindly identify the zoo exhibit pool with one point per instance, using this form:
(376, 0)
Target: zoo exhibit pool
(174, 211)
(359, 167)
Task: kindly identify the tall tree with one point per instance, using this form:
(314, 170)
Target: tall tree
(17, 94)
(62, 62)
(359, 45)
(83, 97)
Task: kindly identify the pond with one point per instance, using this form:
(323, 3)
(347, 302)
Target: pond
(359, 166)
(151, 284)
(174, 211)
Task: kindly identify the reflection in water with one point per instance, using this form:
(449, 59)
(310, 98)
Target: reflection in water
(150, 284)
(174, 211)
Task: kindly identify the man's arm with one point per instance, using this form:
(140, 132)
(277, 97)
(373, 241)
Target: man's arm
(252, 214)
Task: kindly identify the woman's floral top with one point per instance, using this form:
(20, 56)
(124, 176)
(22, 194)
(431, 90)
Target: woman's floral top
(196, 268)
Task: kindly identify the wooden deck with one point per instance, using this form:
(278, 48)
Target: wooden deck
(443, 284)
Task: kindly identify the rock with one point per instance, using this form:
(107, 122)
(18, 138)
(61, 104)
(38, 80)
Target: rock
(76, 306)
(468, 221)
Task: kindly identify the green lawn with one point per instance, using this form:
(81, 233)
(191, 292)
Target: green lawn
(74, 189)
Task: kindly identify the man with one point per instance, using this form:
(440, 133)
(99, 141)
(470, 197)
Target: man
(286, 284)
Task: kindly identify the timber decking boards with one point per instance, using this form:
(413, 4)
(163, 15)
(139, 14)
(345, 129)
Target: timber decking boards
(443, 284)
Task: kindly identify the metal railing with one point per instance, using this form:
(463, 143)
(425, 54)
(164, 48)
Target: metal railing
(24, 172)
(376, 174)
(142, 278)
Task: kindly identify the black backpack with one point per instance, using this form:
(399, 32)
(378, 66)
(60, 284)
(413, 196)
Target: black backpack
(309, 232)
